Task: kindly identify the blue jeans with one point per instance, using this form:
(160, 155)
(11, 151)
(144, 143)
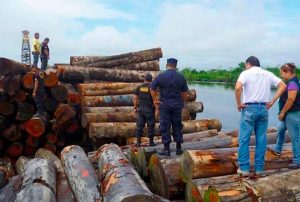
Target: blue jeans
(253, 118)
(293, 125)
(35, 59)
(280, 136)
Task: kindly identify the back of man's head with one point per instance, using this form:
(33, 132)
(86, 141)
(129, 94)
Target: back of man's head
(36, 35)
(46, 40)
(253, 61)
(148, 77)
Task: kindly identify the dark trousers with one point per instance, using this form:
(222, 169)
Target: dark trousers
(39, 103)
(170, 116)
(142, 119)
(44, 61)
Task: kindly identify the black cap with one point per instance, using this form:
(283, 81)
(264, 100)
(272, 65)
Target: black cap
(253, 61)
(148, 77)
(172, 61)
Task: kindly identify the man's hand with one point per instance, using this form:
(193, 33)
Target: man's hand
(270, 104)
(33, 94)
(241, 107)
(281, 116)
(157, 103)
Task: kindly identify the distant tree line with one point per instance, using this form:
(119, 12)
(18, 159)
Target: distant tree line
(222, 75)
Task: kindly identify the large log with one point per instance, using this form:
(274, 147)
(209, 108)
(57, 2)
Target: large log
(80, 74)
(107, 88)
(10, 83)
(80, 173)
(12, 133)
(11, 67)
(28, 80)
(140, 66)
(19, 96)
(88, 118)
(125, 129)
(194, 107)
(64, 113)
(9, 192)
(120, 181)
(64, 192)
(50, 104)
(60, 92)
(20, 164)
(278, 187)
(15, 150)
(24, 111)
(35, 126)
(117, 60)
(216, 162)
(72, 95)
(227, 188)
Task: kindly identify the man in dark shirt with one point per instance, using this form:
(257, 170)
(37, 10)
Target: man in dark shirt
(38, 91)
(45, 54)
(173, 92)
(145, 110)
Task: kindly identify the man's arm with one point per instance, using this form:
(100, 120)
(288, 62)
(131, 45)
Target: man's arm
(135, 103)
(238, 95)
(35, 88)
(280, 89)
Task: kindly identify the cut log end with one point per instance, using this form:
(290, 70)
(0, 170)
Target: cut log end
(15, 150)
(35, 127)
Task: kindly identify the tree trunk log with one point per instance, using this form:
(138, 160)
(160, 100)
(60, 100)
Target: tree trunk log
(11, 84)
(107, 88)
(24, 111)
(7, 108)
(194, 107)
(72, 97)
(164, 177)
(11, 67)
(80, 172)
(79, 75)
(117, 60)
(60, 93)
(35, 127)
(216, 162)
(51, 104)
(19, 96)
(120, 181)
(125, 129)
(28, 80)
(227, 188)
(140, 66)
(51, 78)
(278, 187)
(9, 192)
(20, 164)
(88, 118)
(64, 113)
(36, 192)
(64, 192)
(12, 133)
(15, 150)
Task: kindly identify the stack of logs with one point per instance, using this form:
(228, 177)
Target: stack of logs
(23, 134)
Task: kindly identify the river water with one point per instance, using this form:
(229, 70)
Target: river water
(219, 103)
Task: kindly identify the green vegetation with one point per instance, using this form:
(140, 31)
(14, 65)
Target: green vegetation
(221, 75)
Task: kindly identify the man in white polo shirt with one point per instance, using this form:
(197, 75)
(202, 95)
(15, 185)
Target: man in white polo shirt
(255, 83)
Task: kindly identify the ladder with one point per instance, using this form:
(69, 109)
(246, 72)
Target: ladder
(26, 53)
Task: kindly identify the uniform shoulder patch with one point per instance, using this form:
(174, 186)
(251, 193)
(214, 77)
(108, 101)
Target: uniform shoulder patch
(144, 89)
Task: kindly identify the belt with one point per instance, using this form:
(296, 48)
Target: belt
(255, 103)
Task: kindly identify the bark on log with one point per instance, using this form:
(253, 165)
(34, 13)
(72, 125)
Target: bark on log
(194, 107)
(107, 88)
(35, 127)
(140, 66)
(24, 111)
(36, 192)
(12, 133)
(125, 129)
(20, 164)
(11, 67)
(7, 108)
(64, 113)
(11, 83)
(216, 162)
(15, 150)
(278, 187)
(227, 188)
(79, 75)
(6, 171)
(9, 192)
(60, 93)
(64, 192)
(120, 181)
(144, 140)
(117, 60)
(88, 118)
(80, 172)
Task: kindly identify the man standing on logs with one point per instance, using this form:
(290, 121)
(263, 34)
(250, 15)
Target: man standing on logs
(145, 110)
(38, 91)
(45, 54)
(36, 49)
(255, 83)
(173, 92)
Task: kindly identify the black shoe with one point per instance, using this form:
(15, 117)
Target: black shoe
(178, 149)
(166, 151)
(151, 142)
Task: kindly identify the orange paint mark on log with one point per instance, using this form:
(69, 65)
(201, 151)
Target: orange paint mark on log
(123, 161)
(85, 173)
(230, 193)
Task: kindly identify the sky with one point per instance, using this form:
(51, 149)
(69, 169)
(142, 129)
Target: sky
(201, 34)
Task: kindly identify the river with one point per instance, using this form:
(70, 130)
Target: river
(219, 103)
